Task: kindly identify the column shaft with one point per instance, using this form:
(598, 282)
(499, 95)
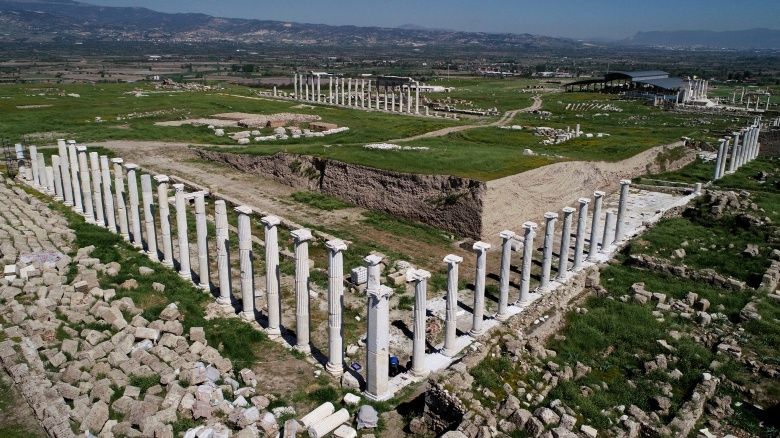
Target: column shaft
(108, 197)
(563, 258)
(181, 231)
(451, 316)
(97, 192)
(335, 364)
(75, 181)
(301, 240)
(201, 229)
(86, 196)
(165, 219)
(223, 252)
(245, 263)
(67, 184)
(506, 261)
(621, 214)
(549, 230)
(579, 243)
(594, 225)
(121, 206)
(135, 216)
(272, 275)
(420, 278)
(480, 248)
(147, 197)
(528, 254)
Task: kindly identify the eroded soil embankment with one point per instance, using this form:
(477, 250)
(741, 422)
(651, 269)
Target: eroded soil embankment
(446, 202)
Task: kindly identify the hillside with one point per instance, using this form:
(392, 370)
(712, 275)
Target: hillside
(740, 39)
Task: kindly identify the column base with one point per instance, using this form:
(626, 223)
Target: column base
(377, 397)
(476, 333)
(448, 352)
(247, 316)
(419, 373)
(305, 349)
(68, 204)
(205, 286)
(523, 303)
(501, 317)
(224, 301)
(274, 332)
(334, 370)
(167, 263)
(185, 275)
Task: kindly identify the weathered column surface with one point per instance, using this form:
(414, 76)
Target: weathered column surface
(528, 254)
(598, 198)
(108, 197)
(563, 259)
(86, 195)
(506, 261)
(165, 219)
(272, 275)
(245, 262)
(57, 178)
(75, 181)
(378, 331)
(579, 243)
(67, 182)
(181, 231)
(480, 248)
(34, 165)
(420, 278)
(135, 216)
(223, 252)
(301, 240)
(451, 315)
(201, 230)
(148, 200)
(549, 231)
(336, 248)
(119, 192)
(97, 195)
(621, 214)
(609, 223)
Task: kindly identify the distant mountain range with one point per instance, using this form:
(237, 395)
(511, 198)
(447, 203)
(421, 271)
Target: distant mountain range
(69, 21)
(739, 39)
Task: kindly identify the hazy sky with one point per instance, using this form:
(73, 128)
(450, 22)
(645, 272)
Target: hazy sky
(567, 18)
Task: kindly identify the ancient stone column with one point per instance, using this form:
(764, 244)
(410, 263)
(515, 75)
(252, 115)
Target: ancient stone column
(121, 205)
(201, 230)
(330, 89)
(306, 87)
(147, 197)
(50, 181)
(135, 216)
(563, 259)
(609, 222)
(734, 157)
(480, 248)
(335, 248)
(378, 332)
(75, 180)
(376, 106)
(549, 230)
(719, 159)
(528, 254)
(34, 165)
(108, 197)
(181, 231)
(417, 98)
(301, 240)
(409, 99)
(598, 197)
(295, 85)
(41, 165)
(318, 88)
(245, 262)
(97, 193)
(86, 196)
(392, 103)
(349, 92)
(401, 100)
(67, 185)
(385, 99)
(621, 214)
(165, 219)
(506, 260)
(723, 161)
(272, 275)
(579, 243)
(420, 278)
(55, 167)
(451, 315)
(223, 252)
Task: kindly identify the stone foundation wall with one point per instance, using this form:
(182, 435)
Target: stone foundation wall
(450, 203)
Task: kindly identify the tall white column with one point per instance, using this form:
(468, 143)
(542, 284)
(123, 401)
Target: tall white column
(245, 262)
(720, 157)
(408, 99)
(319, 92)
(165, 219)
(330, 89)
(723, 161)
(579, 243)
(335, 248)
(734, 156)
(420, 278)
(201, 230)
(295, 85)
(386, 100)
(392, 103)
(121, 204)
(223, 253)
(609, 223)
(301, 240)
(417, 98)
(549, 230)
(97, 193)
(34, 165)
(506, 261)
(563, 259)
(349, 92)
(621, 214)
(598, 198)
(181, 231)
(108, 197)
(378, 332)
(272, 275)
(50, 181)
(401, 100)
(86, 196)
(480, 249)
(55, 167)
(147, 197)
(67, 185)
(451, 312)
(75, 181)
(528, 256)
(135, 216)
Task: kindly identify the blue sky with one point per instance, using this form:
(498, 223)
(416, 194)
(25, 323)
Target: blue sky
(567, 18)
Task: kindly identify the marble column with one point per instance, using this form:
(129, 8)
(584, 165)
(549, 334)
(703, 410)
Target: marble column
(67, 184)
(549, 229)
(563, 259)
(86, 195)
(119, 192)
(480, 248)
(50, 181)
(723, 161)
(579, 243)
(318, 88)
(108, 197)
(401, 100)
(621, 214)
(349, 92)
(301, 240)
(385, 99)
(417, 98)
(55, 168)
(378, 344)
(506, 261)
(245, 262)
(330, 89)
(34, 165)
(720, 157)
(295, 85)
(392, 103)
(181, 232)
(408, 99)
(451, 313)
(201, 230)
(97, 193)
(420, 278)
(165, 219)
(336, 248)
(609, 223)
(598, 197)
(147, 197)
(75, 181)
(223, 253)
(377, 100)
(528, 254)
(734, 157)
(135, 216)
(272, 275)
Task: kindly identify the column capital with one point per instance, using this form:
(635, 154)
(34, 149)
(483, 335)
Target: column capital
(380, 292)
(625, 182)
(270, 221)
(551, 215)
(598, 194)
(507, 234)
(117, 160)
(131, 166)
(481, 246)
(161, 178)
(336, 245)
(301, 235)
(530, 226)
(583, 201)
(81, 148)
(453, 259)
(372, 259)
(179, 187)
(568, 210)
(243, 209)
(420, 274)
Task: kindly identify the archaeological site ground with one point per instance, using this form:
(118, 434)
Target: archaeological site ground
(382, 232)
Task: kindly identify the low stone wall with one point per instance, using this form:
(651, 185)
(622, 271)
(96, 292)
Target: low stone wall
(447, 202)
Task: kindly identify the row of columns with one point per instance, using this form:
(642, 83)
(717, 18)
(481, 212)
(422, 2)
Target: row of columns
(737, 150)
(698, 89)
(356, 93)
